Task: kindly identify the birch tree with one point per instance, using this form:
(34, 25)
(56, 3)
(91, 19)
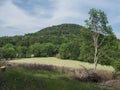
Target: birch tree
(100, 31)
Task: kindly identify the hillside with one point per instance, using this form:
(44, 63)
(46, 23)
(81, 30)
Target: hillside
(56, 34)
(66, 41)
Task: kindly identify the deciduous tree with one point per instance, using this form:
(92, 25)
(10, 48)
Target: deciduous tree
(101, 33)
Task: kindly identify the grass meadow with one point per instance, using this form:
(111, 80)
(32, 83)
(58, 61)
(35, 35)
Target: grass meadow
(27, 78)
(53, 74)
(62, 63)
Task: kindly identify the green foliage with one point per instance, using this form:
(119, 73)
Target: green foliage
(116, 65)
(64, 51)
(48, 49)
(35, 49)
(98, 22)
(86, 52)
(43, 50)
(102, 35)
(69, 50)
(1, 56)
(49, 39)
(74, 50)
(8, 51)
(22, 51)
(67, 40)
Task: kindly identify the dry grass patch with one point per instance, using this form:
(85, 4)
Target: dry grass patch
(62, 63)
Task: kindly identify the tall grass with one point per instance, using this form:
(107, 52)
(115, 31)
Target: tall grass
(62, 63)
(26, 78)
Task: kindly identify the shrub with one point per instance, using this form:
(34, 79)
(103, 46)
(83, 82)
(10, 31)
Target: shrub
(116, 65)
(69, 50)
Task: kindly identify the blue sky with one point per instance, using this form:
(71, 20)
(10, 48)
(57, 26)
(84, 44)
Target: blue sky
(26, 16)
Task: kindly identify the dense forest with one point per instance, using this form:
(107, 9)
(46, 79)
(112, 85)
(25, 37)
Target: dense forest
(66, 41)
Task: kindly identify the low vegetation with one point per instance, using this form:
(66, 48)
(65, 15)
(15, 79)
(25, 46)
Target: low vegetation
(24, 78)
(116, 65)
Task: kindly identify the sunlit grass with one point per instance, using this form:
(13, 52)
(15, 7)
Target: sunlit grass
(64, 63)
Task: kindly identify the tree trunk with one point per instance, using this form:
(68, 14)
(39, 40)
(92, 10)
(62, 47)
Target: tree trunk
(95, 52)
(95, 64)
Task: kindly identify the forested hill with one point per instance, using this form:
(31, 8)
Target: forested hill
(67, 41)
(55, 34)
(61, 29)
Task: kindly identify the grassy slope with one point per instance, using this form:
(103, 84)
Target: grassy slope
(22, 78)
(65, 63)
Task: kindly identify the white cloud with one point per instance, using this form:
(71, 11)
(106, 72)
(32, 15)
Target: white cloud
(77, 11)
(13, 16)
(66, 11)
(18, 20)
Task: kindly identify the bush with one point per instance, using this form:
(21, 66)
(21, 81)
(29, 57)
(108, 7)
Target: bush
(116, 65)
(69, 50)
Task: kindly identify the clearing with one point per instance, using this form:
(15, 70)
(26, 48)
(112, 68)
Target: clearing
(62, 63)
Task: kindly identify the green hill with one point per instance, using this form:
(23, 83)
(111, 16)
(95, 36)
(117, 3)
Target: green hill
(55, 34)
(66, 41)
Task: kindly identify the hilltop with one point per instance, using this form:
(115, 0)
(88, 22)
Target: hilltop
(55, 34)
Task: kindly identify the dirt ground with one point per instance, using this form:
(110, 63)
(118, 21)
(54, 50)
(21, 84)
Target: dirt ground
(111, 84)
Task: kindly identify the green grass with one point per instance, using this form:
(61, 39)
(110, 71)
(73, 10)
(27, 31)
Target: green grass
(24, 78)
(60, 62)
